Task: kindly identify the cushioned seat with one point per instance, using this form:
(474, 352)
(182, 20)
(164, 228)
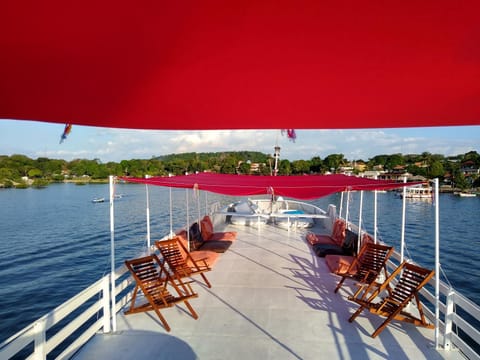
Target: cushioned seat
(179, 260)
(197, 254)
(339, 264)
(347, 246)
(336, 238)
(208, 233)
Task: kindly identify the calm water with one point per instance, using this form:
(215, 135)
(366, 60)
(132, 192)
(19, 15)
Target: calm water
(55, 242)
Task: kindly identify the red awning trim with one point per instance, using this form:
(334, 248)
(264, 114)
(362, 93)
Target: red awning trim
(298, 187)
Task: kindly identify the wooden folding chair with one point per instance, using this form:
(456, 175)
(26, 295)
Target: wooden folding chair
(179, 260)
(367, 265)
(411, 279)
(152, 278)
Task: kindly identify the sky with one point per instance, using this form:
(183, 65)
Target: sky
(38, 139)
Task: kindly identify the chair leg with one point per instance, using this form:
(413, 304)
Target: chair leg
(385, 323)
(194, 314)
(206, 280)
(339, 285)
(356, 313)
(134, 297)
(162, 319)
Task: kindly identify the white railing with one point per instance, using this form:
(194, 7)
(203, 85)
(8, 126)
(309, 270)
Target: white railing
(34, 336)
(451, 323)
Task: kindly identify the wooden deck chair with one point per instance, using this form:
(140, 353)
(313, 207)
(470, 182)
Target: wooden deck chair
(367, 265)
(180, 261)
(411, 279)
(152, 278)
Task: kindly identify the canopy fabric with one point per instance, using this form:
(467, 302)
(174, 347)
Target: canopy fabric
(304, 187)
(254, 64)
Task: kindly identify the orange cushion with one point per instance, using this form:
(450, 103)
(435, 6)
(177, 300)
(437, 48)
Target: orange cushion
(208, 220)
(339, 264)
(226, 236)
(210, 257)
(319, 239)
(339, 231)
(206, 229)
(311, 238)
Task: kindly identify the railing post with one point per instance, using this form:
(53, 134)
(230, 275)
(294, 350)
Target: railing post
(39, 342)
(106, 304)
(449, 315)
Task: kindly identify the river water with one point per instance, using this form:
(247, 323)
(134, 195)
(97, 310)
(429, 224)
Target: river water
(55, 242)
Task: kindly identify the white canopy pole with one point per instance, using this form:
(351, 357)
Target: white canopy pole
(375, 215)
(360, 211)
(171, 210)
(188, 220)
(402, 236)
(437, 262)
(206, 203)
(148, 214)
(341, 205)
(196, 194)
(112, 253)
(347, 208)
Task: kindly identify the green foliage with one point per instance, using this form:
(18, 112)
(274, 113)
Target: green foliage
(43, 170)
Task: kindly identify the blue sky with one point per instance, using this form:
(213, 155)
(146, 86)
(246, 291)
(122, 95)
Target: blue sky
(38, 139)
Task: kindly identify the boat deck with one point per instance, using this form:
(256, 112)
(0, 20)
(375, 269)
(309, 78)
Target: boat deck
(271, 298)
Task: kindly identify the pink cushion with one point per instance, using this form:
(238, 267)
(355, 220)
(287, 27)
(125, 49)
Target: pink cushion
(209, 256)
(208, 233)
(339, 264)
(206, 228)
(339, 232)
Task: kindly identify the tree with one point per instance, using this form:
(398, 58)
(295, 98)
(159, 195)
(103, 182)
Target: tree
(459, 180)
(334, 161)
(316, 165)
(436, 170)
(285, 167)
(228, 165)
(301, 166)
(244, 168)
(35, 173)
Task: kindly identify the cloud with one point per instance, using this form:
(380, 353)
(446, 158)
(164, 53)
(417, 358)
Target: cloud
(36, 139)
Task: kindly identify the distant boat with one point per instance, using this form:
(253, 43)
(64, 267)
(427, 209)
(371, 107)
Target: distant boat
(466, 194)
(98, 200)
(417, 192)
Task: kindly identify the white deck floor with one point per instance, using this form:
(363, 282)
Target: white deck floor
(271, 298)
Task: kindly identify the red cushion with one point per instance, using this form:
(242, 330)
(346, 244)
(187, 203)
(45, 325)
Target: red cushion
(206, 228)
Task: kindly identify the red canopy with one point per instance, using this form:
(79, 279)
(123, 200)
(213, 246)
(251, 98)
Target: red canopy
(256, 64)
(298, 187)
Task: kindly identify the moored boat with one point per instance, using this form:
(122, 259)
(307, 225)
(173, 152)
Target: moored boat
(466, 194)
(417, 192)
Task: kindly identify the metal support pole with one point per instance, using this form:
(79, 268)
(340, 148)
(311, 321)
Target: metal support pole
(437, 262)
(360, 221)
(402, 236)
(148, 215)
(112, 253)
(375, 215)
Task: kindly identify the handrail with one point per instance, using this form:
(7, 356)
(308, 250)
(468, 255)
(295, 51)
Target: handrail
(451, 322)
(36, 333)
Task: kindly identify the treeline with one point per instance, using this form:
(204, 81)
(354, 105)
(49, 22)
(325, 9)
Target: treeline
(16, 169)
